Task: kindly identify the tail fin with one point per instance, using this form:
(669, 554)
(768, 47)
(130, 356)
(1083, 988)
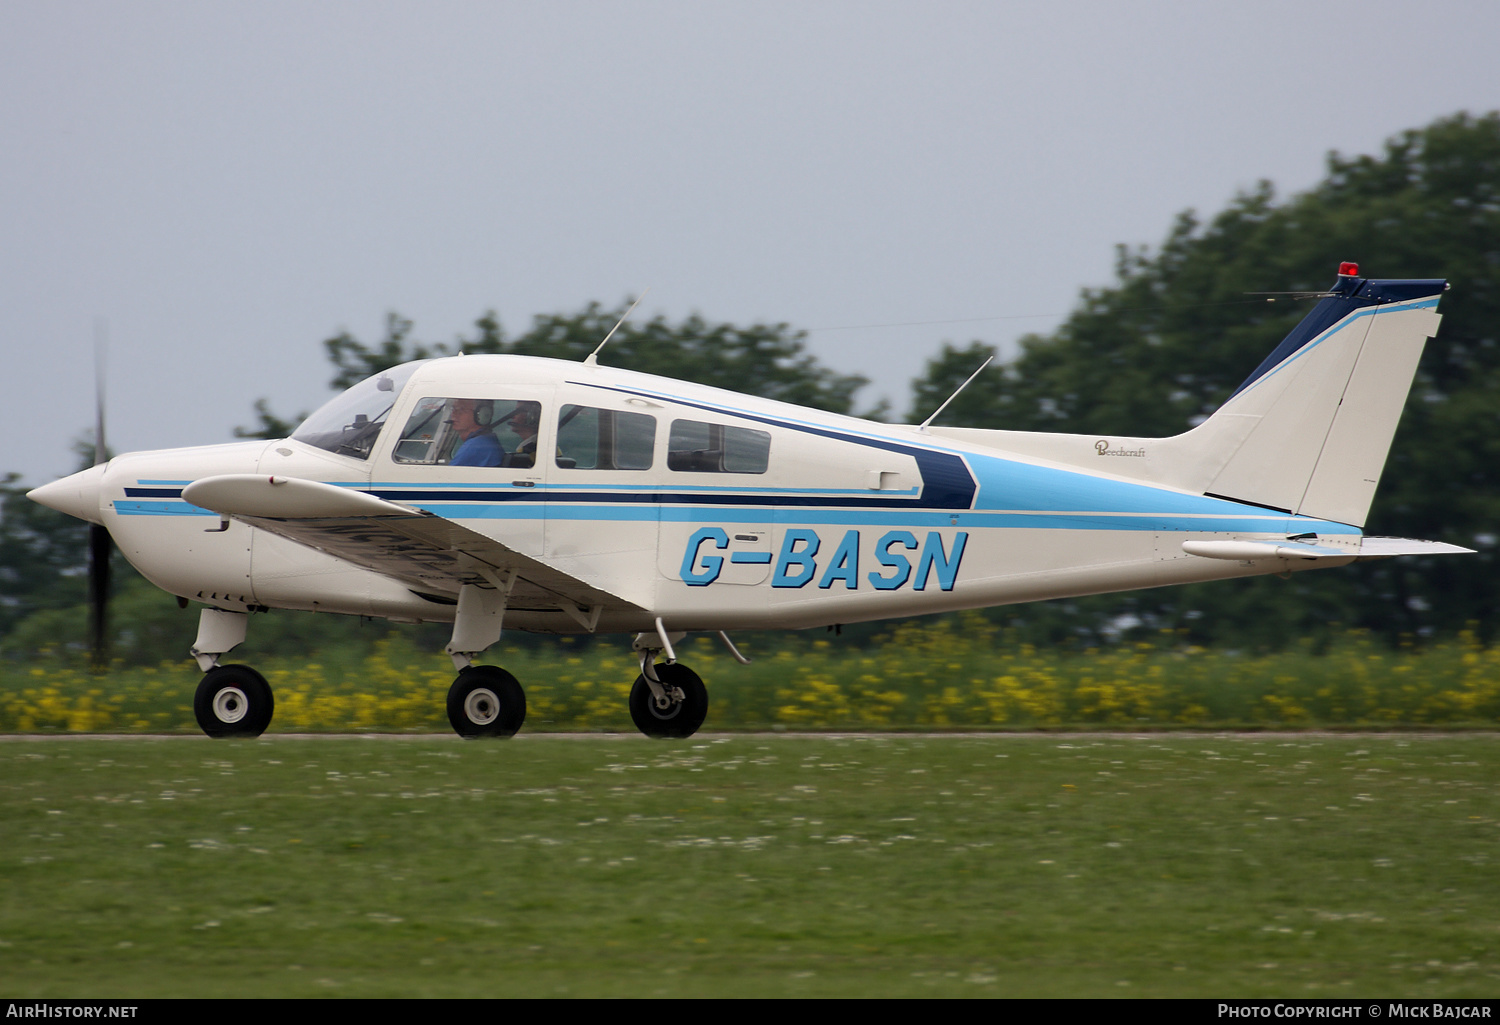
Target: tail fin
(1317, 416)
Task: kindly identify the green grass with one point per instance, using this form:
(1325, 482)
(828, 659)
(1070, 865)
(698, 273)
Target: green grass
(751, 865)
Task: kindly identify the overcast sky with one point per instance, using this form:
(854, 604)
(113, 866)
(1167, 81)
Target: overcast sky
(227, 184)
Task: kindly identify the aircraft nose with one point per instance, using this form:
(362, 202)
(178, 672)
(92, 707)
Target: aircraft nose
(77, 495)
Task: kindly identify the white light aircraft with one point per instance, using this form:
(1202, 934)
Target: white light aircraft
(564, 497)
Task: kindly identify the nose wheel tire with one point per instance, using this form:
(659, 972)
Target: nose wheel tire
(486, 701)
(682, 716)
(233, 701)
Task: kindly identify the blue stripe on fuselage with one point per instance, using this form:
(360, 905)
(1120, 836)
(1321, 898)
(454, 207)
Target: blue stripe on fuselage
(946, 480)
(1243, 519)
(177, 508)
(1247, 520)
(1010, 484)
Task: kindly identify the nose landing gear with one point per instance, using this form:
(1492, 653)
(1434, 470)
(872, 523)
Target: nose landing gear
(233, 701)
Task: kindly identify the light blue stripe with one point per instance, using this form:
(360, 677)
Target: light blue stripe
(1368, 311)
(1009, 484)
(1257, 523)
(1269, 523)
(167, 508)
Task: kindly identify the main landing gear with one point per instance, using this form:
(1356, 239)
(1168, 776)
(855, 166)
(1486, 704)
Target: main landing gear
(486, 701)
(672, 705)
(668, 700)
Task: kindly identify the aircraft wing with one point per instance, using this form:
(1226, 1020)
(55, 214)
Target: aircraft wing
(424, 551)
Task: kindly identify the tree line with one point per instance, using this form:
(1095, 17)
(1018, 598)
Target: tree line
(1151, 354)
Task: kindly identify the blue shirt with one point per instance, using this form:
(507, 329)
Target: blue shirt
(482, 449)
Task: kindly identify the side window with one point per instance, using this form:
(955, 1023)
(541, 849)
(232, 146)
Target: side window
(699, 447)
(470, 432)
(604, 439)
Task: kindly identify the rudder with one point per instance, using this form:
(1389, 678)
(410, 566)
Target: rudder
(1318, 415)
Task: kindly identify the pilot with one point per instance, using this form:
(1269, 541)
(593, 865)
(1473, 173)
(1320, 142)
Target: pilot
(523, 423)
(470, 419)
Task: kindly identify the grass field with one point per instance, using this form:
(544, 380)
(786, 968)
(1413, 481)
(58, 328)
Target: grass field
(752, 865)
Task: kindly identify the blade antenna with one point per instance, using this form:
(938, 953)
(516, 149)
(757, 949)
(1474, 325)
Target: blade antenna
(960, 388)
(593, 357)
(101, 546)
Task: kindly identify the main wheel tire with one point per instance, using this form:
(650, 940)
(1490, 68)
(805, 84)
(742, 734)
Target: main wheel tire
(233, 701)
(681, 718)
(486, 701)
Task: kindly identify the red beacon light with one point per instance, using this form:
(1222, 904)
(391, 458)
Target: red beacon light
(1348, 270)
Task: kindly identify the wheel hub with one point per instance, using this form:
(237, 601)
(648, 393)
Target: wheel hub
(482, 706)
(668, 698)
(230, 705)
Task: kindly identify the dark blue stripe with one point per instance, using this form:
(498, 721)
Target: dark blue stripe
(660, 498)
(946, 480)
(1346, 296)
(505, 494)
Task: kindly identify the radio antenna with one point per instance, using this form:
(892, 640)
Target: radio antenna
(960, 388)
(593, 357)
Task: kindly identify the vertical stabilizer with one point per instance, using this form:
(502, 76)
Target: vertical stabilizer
(1318, 415)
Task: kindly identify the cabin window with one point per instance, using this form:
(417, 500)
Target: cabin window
(444, 431)
(604, 439)
(699, 447)
(349, 423)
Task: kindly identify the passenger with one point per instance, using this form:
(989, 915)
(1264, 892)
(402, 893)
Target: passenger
(470, 419)
(524, 424)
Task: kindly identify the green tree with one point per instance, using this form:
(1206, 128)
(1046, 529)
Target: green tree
(270, 425)
(43, 555)
(1160, 349)
(44, 562)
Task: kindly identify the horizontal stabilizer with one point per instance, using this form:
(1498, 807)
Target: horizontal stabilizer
(1252, 551)
(1385, 547)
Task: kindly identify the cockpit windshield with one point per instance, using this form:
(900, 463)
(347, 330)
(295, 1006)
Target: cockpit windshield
(349, 423)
